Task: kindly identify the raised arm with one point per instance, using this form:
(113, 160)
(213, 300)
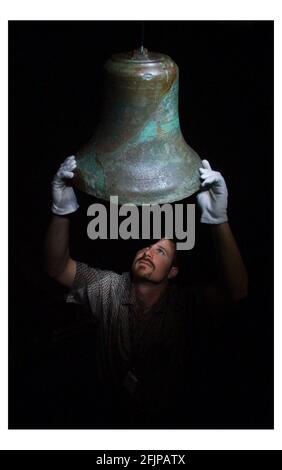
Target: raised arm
(232, 274)
(59, 264)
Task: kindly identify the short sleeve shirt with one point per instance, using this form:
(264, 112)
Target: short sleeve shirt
(155, 347)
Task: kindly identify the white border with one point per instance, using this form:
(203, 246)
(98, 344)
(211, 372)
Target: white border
(120, 439)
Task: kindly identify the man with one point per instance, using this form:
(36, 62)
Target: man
(147, 329)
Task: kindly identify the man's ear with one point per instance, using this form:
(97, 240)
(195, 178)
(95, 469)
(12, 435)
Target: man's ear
(173, 272)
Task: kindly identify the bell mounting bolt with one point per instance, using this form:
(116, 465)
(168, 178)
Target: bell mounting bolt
(140, 53)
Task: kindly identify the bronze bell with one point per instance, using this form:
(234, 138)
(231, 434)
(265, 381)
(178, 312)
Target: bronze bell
(138, 152)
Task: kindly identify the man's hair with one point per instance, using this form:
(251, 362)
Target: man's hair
(176, 261)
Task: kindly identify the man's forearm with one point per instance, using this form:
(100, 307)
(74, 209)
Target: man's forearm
(231, 267)
(57, 245)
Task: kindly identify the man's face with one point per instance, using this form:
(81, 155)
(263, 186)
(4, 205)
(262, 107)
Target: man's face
(154, 263)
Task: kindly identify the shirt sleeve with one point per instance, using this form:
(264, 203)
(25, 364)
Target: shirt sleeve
(90, 287)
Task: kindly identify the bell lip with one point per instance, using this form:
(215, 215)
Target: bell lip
(170, 198)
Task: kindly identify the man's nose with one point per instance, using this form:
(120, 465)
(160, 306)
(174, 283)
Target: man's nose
(148, 252)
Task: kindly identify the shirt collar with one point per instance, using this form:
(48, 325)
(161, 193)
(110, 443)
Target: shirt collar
(128, 297)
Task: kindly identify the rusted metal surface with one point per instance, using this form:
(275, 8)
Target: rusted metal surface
(138, 151)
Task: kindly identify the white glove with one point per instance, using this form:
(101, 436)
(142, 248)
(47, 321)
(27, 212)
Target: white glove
(64, 199)
(213, 197)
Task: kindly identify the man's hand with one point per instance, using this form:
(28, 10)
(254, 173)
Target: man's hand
(64, 199)
(213, 197)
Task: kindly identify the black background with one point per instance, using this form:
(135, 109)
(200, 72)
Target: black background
(226, 115)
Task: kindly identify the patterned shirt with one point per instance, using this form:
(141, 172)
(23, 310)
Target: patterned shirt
(144, 356)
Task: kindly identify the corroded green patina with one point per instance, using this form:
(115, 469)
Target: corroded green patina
(138, 151)
(164, 120)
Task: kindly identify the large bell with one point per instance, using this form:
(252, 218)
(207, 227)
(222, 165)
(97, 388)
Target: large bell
(138, 152)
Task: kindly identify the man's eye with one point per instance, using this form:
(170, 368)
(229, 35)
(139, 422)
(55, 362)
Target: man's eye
(160, 251)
